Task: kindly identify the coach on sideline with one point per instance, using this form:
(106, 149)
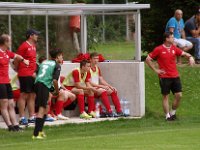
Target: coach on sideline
(165, 55)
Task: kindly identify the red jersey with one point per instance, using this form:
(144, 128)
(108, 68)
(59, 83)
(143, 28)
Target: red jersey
(28, 52)
(4, 65)
(166, 58)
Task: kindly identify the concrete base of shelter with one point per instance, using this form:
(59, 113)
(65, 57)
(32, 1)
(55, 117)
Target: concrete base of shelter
(75, 120)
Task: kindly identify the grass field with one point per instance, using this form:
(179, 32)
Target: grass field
(149, 133)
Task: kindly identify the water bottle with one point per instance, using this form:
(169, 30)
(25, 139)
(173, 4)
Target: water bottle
(97, 110)
(125, 106)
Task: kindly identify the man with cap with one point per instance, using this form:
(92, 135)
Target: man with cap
(26, 76)
(192, 30)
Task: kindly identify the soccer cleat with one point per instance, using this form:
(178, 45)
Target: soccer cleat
(18, 128)
(61, 117)
(42, 134)
(31, 120)
(120, 114)
(49, 119)
(37, 137)
(173, 117)
(23, 121)
(84, 115)
(92, 114)
(169, 119)
(11, 128)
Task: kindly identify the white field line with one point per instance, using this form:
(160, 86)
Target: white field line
(97, 136)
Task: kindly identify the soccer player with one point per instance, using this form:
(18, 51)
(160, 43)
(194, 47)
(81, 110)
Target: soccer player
(49, 71)
(6, 95)
(27, 77)
(65, 98)
(78, 83)
(104, 89)
(165, 55)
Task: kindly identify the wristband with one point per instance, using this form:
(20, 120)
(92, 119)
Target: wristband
(22, 59)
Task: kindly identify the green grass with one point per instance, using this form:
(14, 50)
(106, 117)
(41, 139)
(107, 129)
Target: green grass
(116, 50)
(149, 133)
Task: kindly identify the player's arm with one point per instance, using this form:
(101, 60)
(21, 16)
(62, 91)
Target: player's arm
(56, 75)
(183, 34)
(189, 57)
(152, 66)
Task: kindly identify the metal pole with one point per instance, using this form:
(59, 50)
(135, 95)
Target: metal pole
(47, 36)
(10, 27)
(103, 21)
(127, 25)
(138, 36)
(83, 34)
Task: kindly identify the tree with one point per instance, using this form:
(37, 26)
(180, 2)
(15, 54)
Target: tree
(63, 38)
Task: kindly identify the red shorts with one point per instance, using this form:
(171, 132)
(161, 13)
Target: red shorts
(16, 94)
(69, 87)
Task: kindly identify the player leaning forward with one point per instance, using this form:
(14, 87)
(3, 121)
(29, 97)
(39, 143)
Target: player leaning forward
(169, 79)
(49, 72)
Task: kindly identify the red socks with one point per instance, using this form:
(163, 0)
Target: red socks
(91, 104)
(67, 103)
(116, 101)
(59, 106)
(106, 101)
(81, 103)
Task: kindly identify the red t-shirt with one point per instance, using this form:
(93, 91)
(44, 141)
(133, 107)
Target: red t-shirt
(4, 65)
(166, 58)
(75, 75)
(27, 51)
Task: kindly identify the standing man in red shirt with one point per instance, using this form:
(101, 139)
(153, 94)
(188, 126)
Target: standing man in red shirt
(26, 76)
(6, 95)
(165, 55)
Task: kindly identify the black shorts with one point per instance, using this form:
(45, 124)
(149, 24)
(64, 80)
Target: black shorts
(170, 84)
(6, 91)
(27, 84)
(42, 95)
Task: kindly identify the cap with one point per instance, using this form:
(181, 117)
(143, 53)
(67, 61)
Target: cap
(31, 32)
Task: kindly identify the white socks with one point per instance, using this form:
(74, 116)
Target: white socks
(173, 112)
(167, 115)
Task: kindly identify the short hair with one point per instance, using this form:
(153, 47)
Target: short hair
(94, 54)
(55, 52)
(84, 62)
(41, 59)
(4, 38)
(197, 10)
(167, 35)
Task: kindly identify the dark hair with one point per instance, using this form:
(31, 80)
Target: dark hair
(197, 10)
(4, 38)
(55, 52)
(94, 54)
(41, 59)
(167, 35)
(83, 62)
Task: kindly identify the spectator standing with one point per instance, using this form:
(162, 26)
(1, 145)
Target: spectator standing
(168, 73)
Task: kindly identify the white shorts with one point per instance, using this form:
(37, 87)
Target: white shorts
(182, 43)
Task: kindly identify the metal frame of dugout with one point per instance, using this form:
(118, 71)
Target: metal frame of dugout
(132, 82)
